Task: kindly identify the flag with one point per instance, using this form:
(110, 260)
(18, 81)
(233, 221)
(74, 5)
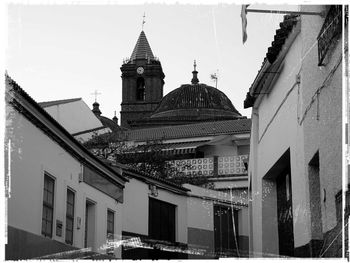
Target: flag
(244, 22)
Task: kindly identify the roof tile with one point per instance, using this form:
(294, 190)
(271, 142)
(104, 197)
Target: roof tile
(190, 130)
(142, 49)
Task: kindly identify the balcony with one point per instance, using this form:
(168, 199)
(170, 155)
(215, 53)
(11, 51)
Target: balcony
(213, 166)
(229, 165)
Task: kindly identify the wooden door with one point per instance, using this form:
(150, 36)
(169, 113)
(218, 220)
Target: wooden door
(161, 220)
(285, 214)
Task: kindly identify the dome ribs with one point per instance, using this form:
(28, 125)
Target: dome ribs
(197, 102)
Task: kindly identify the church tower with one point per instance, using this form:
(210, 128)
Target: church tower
(143, 80)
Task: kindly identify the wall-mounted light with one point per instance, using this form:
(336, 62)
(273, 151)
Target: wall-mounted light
(153, 190)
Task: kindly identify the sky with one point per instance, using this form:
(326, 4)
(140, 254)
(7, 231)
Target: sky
(70, 50)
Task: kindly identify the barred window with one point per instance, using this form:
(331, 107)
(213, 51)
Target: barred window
(48, 205)
(330, 32)
(70, 216)
(110, 223)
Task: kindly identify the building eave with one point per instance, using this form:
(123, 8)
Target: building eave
(273, 62)
(149, 179)
(33, 111)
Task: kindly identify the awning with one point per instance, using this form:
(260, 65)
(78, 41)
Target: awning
(179, 148)
(182, 147)
(219, 140)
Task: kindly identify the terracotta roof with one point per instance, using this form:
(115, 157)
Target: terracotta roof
(286, 27)
(289, 21)
(142, 49)
(45, 104)
(190, 130)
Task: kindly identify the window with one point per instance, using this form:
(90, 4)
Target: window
(330, 31)
(140, 89)
(48, 201)
(110, 223)
(110, 230)
(70, 216)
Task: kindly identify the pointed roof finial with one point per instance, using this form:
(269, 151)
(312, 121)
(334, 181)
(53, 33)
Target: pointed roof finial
(115, 119)
(143, 21)
(194, 72)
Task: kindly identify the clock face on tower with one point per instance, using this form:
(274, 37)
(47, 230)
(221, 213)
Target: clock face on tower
(140, 70)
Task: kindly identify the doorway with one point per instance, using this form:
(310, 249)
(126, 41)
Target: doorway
(90, 220)
(285, 213)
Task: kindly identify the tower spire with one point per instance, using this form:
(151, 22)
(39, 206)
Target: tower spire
(142, 49)
(194, 72)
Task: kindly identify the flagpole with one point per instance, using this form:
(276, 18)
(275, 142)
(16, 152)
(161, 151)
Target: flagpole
(322, 14)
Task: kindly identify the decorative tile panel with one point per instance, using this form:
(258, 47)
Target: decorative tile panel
(231, 165)
(201, 166)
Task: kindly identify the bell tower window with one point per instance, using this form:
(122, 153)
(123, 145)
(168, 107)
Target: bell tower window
(140, 89)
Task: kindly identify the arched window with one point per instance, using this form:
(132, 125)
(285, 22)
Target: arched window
(140, 89)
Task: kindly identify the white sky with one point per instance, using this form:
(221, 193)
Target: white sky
(68, 51)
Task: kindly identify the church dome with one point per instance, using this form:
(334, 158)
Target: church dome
(197, 102)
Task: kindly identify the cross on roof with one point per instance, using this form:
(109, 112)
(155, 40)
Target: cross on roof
(95, 93)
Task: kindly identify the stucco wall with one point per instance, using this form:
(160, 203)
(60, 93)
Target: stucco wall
(135, 211)
(231, 182)
(323, 122)
(298, 127)
(200, 224)
(200, 213)
(201, 218)
(220, 150)
(271, 137)
(33, 153)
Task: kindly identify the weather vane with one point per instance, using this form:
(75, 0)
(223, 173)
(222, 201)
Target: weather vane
(143, 21)
(215, 78)
(96, 93)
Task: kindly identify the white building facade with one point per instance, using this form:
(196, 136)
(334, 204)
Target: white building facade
(295, 164)
(58, 200)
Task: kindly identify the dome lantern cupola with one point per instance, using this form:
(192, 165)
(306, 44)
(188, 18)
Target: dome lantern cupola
(96, 108)
(195, 79)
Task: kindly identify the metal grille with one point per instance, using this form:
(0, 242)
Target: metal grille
(330, 31)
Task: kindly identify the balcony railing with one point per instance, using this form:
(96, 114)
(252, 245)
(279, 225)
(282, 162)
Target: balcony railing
(213, 166)
(201, 166)
(231, 165)
(330, 31)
